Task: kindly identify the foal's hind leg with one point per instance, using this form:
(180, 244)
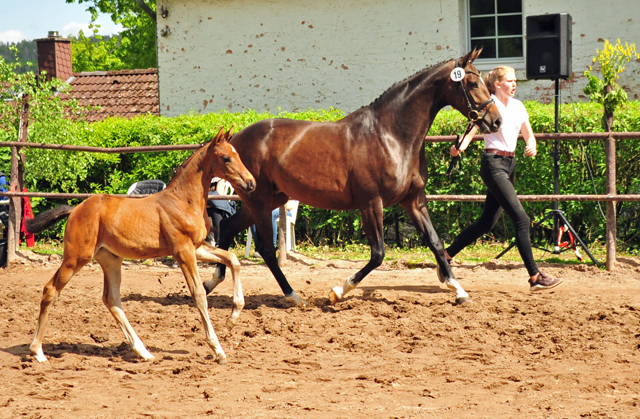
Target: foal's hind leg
(374, 229)
(70, 266)
(112, 269)
(419, 214)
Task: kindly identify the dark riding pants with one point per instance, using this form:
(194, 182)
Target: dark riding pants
(497, 173)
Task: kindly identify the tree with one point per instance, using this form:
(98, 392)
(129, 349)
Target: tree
(27, 55)
(49, 122)
(136, 44)
(97, 53)
(612, 59)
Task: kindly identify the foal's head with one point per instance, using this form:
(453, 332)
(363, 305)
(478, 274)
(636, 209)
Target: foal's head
(468, 94)
(227, 164)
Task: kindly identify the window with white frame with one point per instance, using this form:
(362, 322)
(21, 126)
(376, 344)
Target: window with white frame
(497, 26)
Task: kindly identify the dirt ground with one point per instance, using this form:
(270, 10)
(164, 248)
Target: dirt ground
(397, 347)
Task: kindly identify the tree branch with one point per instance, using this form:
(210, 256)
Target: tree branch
(148, 10)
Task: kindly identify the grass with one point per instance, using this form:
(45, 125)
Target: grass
(479, 252)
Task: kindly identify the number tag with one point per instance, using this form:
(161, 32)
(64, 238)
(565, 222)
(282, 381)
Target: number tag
(457, 74)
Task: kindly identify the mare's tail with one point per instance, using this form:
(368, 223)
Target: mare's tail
(48, 218)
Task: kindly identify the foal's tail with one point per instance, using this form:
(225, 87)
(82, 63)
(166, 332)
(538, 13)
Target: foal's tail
(48, 218)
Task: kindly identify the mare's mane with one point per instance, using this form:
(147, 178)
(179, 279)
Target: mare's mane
(419, 73)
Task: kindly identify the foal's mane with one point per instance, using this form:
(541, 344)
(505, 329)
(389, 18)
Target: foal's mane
(419, 73)
(182, 165)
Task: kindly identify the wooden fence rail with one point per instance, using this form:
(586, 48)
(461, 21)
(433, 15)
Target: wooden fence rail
(15, 211)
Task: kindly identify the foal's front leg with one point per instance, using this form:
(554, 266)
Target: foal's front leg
(185, 255)
(208, 253)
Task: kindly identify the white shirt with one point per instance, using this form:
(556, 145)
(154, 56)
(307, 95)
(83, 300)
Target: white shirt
(513, 116)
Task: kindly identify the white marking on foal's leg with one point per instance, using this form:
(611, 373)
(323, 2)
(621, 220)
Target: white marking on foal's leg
(38, 353)
(135, 342)
(337, 293)
(238, 296)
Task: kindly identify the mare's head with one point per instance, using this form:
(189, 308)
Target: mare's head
(227, 165)
(467, 93)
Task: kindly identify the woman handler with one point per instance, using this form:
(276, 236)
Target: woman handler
(497, 169)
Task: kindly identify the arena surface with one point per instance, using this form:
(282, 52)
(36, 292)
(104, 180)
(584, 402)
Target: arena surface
(397, 347)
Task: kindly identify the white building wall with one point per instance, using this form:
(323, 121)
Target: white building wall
(301, 54)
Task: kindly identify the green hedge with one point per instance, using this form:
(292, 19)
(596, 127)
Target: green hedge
(92, 172)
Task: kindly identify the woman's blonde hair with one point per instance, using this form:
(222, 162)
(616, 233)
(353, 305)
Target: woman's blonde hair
(496, 75)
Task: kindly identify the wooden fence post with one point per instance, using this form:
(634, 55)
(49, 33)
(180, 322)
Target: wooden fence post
(16, 184)
(610, 155)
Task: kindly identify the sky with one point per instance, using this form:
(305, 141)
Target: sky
(33, 19)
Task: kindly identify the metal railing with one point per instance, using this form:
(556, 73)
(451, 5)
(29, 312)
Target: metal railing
(15, 216)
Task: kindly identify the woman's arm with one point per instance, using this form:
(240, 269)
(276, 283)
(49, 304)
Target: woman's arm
(221, 187)
(464, 143)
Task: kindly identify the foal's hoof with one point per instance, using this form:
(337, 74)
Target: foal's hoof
(463, 300)
(294, 299)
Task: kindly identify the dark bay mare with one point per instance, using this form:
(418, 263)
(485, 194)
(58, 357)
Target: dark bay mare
(371, 159)
(110, 228)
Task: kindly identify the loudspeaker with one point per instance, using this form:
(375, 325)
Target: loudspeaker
(549, 46)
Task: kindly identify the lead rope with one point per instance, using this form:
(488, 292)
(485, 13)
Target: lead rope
(453, 166)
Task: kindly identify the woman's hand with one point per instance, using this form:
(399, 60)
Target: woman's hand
(530, 150)
(454, 151)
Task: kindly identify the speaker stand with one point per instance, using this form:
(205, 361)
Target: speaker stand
(558, 216)
(558, 245)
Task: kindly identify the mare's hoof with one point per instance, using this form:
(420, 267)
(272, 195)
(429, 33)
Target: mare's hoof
(294, 299)
(463, 300)
(335, 295)
(207, 287)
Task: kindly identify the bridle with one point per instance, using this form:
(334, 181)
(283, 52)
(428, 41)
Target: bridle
(474, 114)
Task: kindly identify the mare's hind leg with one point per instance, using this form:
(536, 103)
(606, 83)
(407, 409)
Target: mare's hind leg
(112, 269)
(185, 255)
(231, 226)
(70, 266)
(374, 229)
(208, 253)
(419, 214)
(268, 253)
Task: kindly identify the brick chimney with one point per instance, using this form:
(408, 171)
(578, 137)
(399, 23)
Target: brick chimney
(54, 56)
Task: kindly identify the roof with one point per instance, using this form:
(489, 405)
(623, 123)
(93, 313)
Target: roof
(125, 93)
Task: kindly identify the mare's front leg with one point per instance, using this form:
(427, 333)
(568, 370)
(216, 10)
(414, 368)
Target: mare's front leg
(374, 230)
(185, 255)
(208, 253)
(268, 253)
(419, 214)
(112, 268)
(229, 228)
